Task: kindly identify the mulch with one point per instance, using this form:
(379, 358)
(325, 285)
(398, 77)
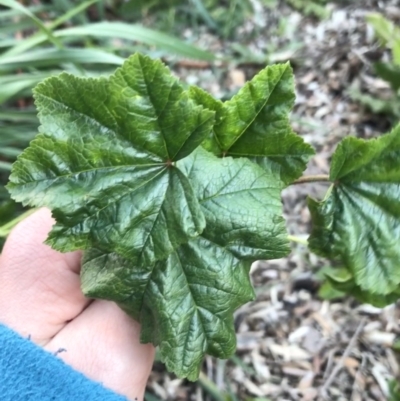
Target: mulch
(292, 345)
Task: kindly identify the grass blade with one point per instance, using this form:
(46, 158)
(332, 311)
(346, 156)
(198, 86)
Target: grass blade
(28, 116)
(19, 7)
(46, 57)
(205, 15)
(10, 152)
(13, 27)
(112, 30)
(11, 85)
(39, 38)
(7, 14)
(139, 33)
(72, 13)
(5, 166)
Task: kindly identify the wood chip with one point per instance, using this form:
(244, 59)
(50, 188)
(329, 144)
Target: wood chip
(289, 352)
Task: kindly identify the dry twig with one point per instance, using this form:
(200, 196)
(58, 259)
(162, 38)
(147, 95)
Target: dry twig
(340, 364)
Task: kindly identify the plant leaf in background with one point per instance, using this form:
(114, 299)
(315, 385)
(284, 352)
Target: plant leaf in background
(386, 31)
(389, 36)
(339, 282)
(389, 106)
(255, 124)
(317, 8)
(185, 303)
(390, 73)
(359, 220)
(104, 161)
(394, 389)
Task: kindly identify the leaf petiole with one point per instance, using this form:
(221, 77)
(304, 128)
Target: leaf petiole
(312, 178)
(298, 240)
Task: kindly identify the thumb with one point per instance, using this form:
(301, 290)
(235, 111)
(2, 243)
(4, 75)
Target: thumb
(103, 343)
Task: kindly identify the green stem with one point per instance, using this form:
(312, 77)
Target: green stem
(6, 229)
(297, 240)
(210, 388)
(312, 178)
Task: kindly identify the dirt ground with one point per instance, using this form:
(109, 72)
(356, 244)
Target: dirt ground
(292, 345)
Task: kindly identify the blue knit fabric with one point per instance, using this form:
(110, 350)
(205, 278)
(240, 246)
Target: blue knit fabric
(29, 373)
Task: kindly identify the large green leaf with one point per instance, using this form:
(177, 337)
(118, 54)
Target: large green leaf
(255, 124)
(185, 303)
(104, 161)
(359, 220)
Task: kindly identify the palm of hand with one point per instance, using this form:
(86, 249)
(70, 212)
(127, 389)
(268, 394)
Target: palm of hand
(40, 297)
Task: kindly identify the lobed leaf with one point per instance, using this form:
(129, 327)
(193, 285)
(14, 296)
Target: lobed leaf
(255, 124)
(169, 229)
(358, 221)
(103, 161)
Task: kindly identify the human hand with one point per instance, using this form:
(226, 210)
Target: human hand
(40, 297)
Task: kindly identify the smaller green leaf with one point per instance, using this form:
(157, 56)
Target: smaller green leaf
(389, 106)
(340, 282)
(394, 388)
(396, 52)
(328, 292)
(385, 30)
(339, 275)
(17, 12)
(390, 73)
(359, 220)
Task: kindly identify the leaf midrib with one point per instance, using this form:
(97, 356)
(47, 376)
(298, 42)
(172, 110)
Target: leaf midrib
(259, 110)
(114, 130)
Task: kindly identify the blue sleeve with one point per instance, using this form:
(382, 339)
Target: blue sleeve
(29, 373)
